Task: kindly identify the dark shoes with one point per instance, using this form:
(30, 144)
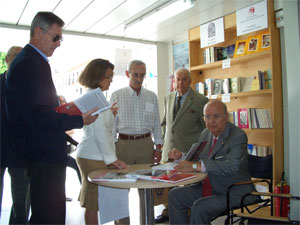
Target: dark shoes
(161, 218)
(164, 217)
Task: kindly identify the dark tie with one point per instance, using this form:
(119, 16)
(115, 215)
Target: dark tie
(177, 106)
(206, 185)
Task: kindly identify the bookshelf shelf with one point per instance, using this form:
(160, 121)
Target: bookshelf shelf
(248, 66)
(247, 94)
(260, 130)
(241, 59)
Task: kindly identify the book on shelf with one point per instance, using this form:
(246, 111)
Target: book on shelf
(201, 87)
(90, 100)
(265, 43)
(268, 79)
(240, 48)
(261, 151)
(226, 86)
(209, 85)
(233, 118)
(249, 83)
(235, 84)
(218, 86)
(244, 120)
(228, 52)
(261, 76)
(253, 44)
(113, 177)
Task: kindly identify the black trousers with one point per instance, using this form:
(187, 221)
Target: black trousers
(47, 192)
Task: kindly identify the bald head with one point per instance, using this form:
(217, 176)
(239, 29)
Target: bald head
(11, 55)
(215, 116)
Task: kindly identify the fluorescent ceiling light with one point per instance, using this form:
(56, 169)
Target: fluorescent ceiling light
(160, 14)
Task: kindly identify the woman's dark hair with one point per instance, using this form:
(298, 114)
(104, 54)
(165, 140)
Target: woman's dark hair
(94, 72)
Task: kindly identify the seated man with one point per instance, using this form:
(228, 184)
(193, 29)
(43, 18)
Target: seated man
(222, 154)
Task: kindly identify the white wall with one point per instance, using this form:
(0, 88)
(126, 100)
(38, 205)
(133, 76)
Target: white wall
(164, 69)
(290, 48)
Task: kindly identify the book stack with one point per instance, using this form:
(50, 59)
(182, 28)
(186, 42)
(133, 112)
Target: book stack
(261, 151)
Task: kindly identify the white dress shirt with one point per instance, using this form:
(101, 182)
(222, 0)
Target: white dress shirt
(137, 114)
(97, 142)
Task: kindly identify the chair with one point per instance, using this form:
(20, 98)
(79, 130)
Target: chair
(259, 168)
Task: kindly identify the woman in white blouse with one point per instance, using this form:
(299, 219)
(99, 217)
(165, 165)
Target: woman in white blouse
(97, 147)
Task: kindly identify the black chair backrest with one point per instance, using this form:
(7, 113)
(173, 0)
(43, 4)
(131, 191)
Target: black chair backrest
(260, 167)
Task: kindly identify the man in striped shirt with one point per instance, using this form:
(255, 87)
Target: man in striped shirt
(137, 123)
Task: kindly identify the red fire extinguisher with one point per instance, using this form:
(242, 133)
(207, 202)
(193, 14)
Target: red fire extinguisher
(282, 205)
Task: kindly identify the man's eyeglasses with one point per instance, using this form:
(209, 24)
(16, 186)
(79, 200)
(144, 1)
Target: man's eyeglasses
(212, 117)
(55, 38)
(141, 75)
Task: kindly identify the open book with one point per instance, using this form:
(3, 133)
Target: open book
(113, 177)
(171, 165)
(168, 176)
(90, 100)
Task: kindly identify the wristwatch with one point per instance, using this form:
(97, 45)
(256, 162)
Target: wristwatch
(194, 166)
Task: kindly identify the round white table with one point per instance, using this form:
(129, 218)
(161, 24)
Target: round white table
(147, 185)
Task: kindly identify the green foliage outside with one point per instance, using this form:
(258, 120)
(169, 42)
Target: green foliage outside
(3, 66)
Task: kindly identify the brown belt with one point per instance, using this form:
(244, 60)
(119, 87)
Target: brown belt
(133, 137)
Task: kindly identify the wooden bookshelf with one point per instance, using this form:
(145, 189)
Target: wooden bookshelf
(245, 66)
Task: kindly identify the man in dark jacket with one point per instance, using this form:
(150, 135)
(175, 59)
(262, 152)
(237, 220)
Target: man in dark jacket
(11, 160)
(37, 130)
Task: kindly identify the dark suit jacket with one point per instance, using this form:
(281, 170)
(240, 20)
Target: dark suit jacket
(182, 132)
(8, 156)
(38, 132)
(228, 162)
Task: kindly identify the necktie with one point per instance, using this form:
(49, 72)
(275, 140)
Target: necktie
(206, 185)
(177, 106)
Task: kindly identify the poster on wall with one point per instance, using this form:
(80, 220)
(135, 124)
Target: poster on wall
(181, 56)
(212, 33)
(122, 57)
(252, 18)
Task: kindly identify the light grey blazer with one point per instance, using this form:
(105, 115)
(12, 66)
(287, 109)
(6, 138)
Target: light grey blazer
(182, 132)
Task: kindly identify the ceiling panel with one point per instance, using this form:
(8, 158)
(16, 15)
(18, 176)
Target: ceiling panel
(94, 13)
(120, 15)
(108, 17)
(35, 6)
(11, 10)
(69, 9)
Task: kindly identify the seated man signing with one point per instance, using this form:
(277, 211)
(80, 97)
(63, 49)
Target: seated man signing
(222, 153)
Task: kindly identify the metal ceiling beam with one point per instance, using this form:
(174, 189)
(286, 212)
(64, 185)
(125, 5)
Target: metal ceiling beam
(77, 33)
